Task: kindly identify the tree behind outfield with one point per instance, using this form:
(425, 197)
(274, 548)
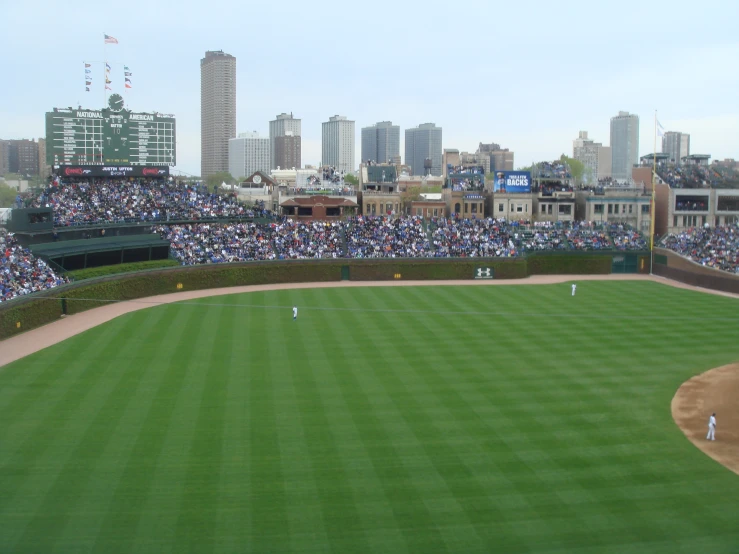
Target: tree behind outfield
(7, 196)
(216, 179)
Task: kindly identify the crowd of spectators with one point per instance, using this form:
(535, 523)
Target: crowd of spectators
(472, 238)
(624, 237)
(688, 176)
(110, 201)
(691, 205)
(585, 235)
(716, 247)
(314, 239)
(21, 272)
(553, 170)
(543, 235)
(386, 237)
(210, 243)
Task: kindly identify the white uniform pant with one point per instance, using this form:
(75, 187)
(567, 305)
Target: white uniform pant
(711, 433)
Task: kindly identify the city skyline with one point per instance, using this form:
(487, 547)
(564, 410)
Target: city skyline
(534, 112)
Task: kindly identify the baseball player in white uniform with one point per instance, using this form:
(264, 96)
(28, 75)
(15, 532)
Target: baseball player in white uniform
(295, 313)
(711, 428)
(574, 288)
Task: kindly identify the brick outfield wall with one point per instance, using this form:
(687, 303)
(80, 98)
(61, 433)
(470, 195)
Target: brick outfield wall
(689, 272)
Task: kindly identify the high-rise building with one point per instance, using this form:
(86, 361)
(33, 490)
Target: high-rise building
(4, 157)
(501, 159)
(43, 169)
(248, 153)
(217, 110)
(423, 149)
(624, 144)
(287, 151)
(283, 124)
(594, 156)
(337, 145)
(677, 145)
(380, 142)
(23, 157)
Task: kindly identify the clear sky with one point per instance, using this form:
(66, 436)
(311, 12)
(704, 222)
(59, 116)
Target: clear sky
(527, 75)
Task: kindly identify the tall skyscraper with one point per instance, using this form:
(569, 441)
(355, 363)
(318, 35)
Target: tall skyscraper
(594, 156)
(283, 124)
(380, 142)
(423, 143)
(677, 145)
(217, 110)
(337, 143)
(624, 144)
(287, 151)
(248, 153)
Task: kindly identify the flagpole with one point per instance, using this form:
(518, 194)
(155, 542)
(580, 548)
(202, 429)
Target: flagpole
(105, 73)
(653, 201)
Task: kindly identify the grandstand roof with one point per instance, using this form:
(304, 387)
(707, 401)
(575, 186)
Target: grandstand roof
(84, 246)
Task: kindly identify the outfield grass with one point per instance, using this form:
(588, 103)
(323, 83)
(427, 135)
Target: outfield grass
(388, 420)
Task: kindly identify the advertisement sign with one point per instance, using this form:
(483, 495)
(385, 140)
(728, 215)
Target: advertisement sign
(512, 181)
(110, 171)
(483, 273)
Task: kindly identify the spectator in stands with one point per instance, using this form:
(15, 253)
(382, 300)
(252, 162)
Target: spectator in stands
(717, 247)
(21, 272)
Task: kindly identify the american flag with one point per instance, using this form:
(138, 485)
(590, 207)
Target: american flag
(110, 40)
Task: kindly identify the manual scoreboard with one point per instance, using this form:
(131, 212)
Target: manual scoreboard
(111, 136)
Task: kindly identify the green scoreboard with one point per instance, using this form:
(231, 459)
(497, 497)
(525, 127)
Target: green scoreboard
(111, 136)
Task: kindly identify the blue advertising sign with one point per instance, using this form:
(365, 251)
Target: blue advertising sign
(512, 181)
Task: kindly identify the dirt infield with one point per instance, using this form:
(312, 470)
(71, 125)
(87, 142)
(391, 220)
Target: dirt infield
(713, 391)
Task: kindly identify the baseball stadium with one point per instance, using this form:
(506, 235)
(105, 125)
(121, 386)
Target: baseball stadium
(453, 379)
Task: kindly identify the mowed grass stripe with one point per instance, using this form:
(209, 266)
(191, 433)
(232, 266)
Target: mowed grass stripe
(64, 519)
(105, 476)
(233, 525)
(466, 509)
(142, 477)
(269, 516)
(322, 414)
(54, 431)
(403, 507)
(195, 529)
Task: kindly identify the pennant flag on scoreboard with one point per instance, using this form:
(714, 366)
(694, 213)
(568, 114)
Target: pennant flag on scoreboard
(128, 85)
(108, 81)
(107, 67)
(125, 68)
(110, 40)
(88, 65)
(88, 83)
(127, 73)
(128, 80)
(88, 71)
(87, 89)
(107, 87)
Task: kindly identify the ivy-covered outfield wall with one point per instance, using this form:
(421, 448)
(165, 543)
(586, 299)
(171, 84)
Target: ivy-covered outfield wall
(32, 311)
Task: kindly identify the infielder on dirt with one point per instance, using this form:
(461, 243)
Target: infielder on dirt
(711, 427)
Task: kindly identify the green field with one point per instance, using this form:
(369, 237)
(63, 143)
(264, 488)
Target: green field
(387, 420)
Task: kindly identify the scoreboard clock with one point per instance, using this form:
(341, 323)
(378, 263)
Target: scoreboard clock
(111, 136)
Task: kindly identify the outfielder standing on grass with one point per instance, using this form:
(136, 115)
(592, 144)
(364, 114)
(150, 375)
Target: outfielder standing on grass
(711, 427)
(295, 313)
(574, 288)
